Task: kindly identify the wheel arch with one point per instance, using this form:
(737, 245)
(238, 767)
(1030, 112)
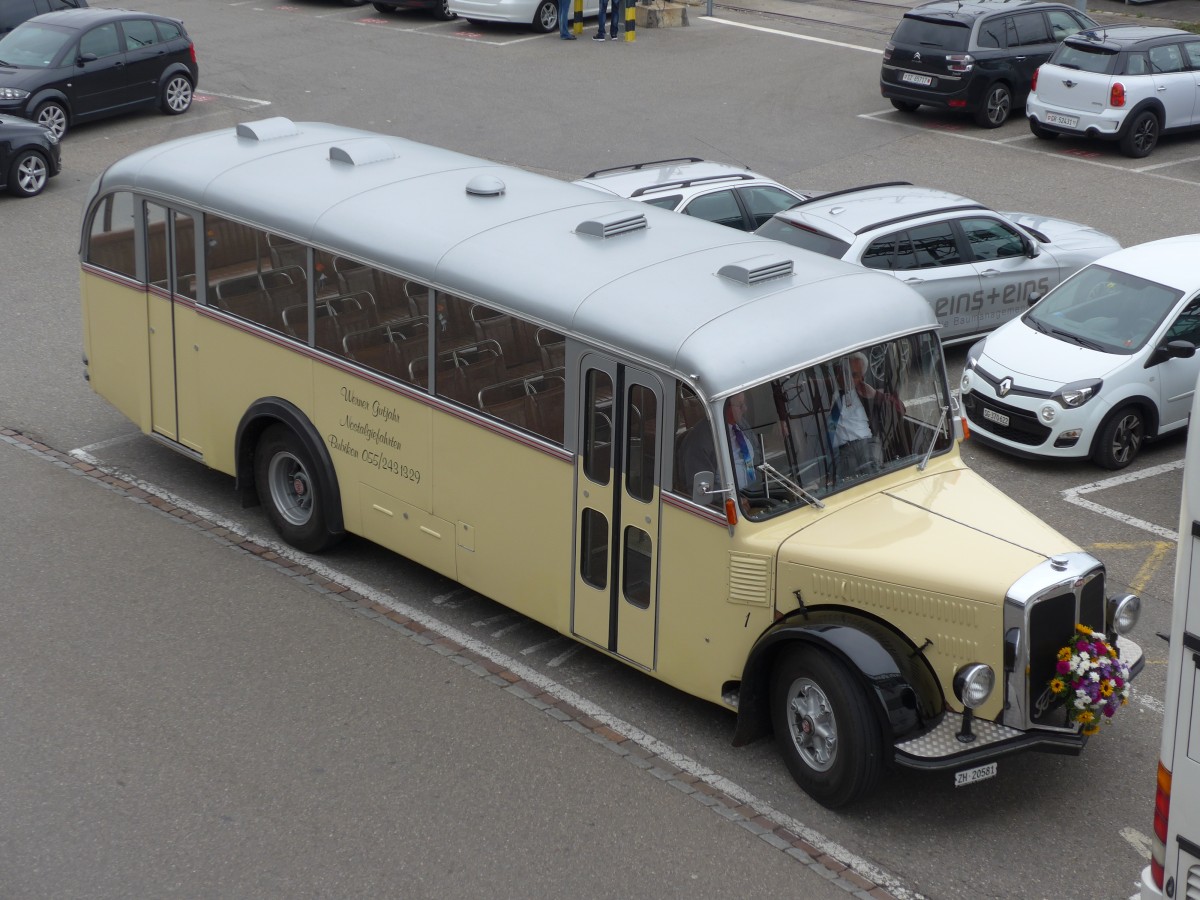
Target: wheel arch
(1147, 407)
(1153, 104)
(49, 94)
(176, 68)
(261, 415)
(888, 666)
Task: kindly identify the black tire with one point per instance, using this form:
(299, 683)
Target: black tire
(996, 106)
(825, 728)
(28, 174)
(176, 97)
(906, 106)
(53, 116)
(1141, 137)
(442, 13)
(1120, 438)
(288, 485)
(354, 2)
(384, 8)
(545, 19)
(1041, 133)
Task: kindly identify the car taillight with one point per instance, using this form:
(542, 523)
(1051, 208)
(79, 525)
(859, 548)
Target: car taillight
(1033, 86)
(887, 51)
(1162, 809)
(960, 63)
(1116, 96)
(192, 50)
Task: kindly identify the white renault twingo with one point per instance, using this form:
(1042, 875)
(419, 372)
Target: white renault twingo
(1103, 362)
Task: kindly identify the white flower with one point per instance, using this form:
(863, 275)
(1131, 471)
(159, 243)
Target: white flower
(1094, 676)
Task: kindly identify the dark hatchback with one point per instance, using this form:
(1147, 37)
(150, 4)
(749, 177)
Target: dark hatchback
(29, 157)
(67, 67)
(974, 56)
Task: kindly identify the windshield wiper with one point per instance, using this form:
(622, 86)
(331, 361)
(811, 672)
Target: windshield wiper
(1044, 329)
(1081, 341)
(937, 433)
(801, 494)
(7, 65)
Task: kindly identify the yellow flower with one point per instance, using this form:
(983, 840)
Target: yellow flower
(1124, 701)
(1106, 689)
(1057, 686)
(1089, 730)
(1083, 629)
(1086, 716)
(1064, 654)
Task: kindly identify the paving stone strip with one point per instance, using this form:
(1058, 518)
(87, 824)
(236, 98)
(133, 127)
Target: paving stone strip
(762, 823)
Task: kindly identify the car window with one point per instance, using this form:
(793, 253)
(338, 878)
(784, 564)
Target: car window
(1030, 29)
(934, 245)
(991, 239)
(1192, 51)
(720, 207)
(63, 4)
(881, 253)
(1166, 58)
(102, 41)
(780, 229)
(668, 202)
(139, 33)
(1135, 64)
(34, 45)
(1063, 24)
(931, 33)
(992, 32)
(168, 31)
(1187, 326)
(763, 201)
(1098, 60)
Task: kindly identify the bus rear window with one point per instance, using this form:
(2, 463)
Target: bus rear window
(805, 238)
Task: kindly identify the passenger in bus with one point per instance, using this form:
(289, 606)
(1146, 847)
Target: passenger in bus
(697, 453)
(860, 419)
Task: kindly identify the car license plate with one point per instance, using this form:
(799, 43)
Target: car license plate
(916, 79)
(1059, 119)
(993, 416)
(970, 776)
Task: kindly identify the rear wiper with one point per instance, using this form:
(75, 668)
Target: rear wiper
(1069, 66)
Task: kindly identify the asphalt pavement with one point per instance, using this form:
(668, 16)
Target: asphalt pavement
(215, 720)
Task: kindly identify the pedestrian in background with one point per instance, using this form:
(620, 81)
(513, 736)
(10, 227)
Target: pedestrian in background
(616, 18)
(564, 23)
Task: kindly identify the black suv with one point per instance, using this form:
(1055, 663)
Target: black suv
(977, 56)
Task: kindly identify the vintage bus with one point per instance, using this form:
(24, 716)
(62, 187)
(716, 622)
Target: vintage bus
(622, 422)
(1174, 870)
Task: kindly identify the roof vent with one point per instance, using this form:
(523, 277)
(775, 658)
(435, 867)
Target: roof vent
(612, 225)
(362, 152)
(758, 269)
(485, 186)
(268, 129)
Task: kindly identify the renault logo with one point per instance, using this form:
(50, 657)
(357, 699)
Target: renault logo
(1005, 387)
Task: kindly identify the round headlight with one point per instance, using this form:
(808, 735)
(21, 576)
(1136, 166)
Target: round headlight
(1123, 612)
(973, 684)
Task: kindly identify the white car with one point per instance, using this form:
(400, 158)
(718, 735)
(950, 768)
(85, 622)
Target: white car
(976, 267)
(717, 192)
(1124, 83)
(541, 14)
(1104, 362)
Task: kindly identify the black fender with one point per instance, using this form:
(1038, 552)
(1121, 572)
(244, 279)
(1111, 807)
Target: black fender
(889, 667)
(1149, 412)
(49, 94)
(260, 416)
(1151, 104)
(172, 70)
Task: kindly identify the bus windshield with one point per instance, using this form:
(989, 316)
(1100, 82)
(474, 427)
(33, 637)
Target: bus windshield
(826, 427)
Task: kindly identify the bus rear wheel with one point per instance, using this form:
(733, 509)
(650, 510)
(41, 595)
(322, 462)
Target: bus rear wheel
(289, 487)
(824, 727)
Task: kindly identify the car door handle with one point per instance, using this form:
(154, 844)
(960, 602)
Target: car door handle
(914, 280)
(1161, 88)
(987, 272)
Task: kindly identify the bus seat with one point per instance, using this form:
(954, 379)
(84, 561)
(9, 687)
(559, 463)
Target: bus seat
(553, 348)
(255, 306)
(509, 401)
(549, 404)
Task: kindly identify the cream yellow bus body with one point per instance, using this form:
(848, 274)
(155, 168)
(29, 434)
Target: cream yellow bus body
(503, 378)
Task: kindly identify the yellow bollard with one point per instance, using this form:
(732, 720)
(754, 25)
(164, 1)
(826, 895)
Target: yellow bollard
(577, 25)
(630, 20)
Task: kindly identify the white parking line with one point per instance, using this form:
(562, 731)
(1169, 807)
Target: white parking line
(1074, 495)
(790, 34)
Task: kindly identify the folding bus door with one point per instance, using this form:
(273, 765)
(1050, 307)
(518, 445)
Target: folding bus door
(615, 602)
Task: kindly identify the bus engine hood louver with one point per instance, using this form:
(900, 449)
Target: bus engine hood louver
(758, 269)
(611, 226)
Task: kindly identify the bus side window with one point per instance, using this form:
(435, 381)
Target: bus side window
(111, 242)
(242, 276)
(695, 450)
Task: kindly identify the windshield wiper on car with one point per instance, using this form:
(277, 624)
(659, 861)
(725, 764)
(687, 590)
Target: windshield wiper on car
(1038, 325)
(1081, 341)
(801, 494)
(7, 65)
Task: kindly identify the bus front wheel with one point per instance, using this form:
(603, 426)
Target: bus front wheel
(824, 727)
(288, 486)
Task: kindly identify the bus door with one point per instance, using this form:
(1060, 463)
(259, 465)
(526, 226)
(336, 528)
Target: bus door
(171, 277)
(615, 602)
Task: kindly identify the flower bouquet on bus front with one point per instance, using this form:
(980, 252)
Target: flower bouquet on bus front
(1091, 678)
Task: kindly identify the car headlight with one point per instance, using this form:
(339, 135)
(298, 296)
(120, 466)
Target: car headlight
(974, 353)
(13, 94)
(973, 684)
(1077, 393)
(1123, 612)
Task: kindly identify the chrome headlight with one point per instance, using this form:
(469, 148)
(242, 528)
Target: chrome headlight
(973, 684)
(1123, 612)
(1077, 393)
(13, 94)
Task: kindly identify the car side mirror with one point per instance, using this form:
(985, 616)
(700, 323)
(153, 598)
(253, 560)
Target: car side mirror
(1171, 350)
(1032, 250)
(86, 58)
(1034, 297)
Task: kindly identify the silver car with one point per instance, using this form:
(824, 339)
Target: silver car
(976, 267)
(717, 192)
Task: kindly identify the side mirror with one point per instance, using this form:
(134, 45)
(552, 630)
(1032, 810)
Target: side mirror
(85, 58)
(1034, 298)
(1032, 250)
(702, 488)
(1171, 350)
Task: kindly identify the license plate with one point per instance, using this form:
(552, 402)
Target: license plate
(916, 79)
(992, 416)
(1059, 119)
(970, 776)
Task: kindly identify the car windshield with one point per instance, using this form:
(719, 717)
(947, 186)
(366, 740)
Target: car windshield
(33, 45)
(919, 32)
(1103, 309)
(816, 431)
(781, 229)
(1100, 60)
